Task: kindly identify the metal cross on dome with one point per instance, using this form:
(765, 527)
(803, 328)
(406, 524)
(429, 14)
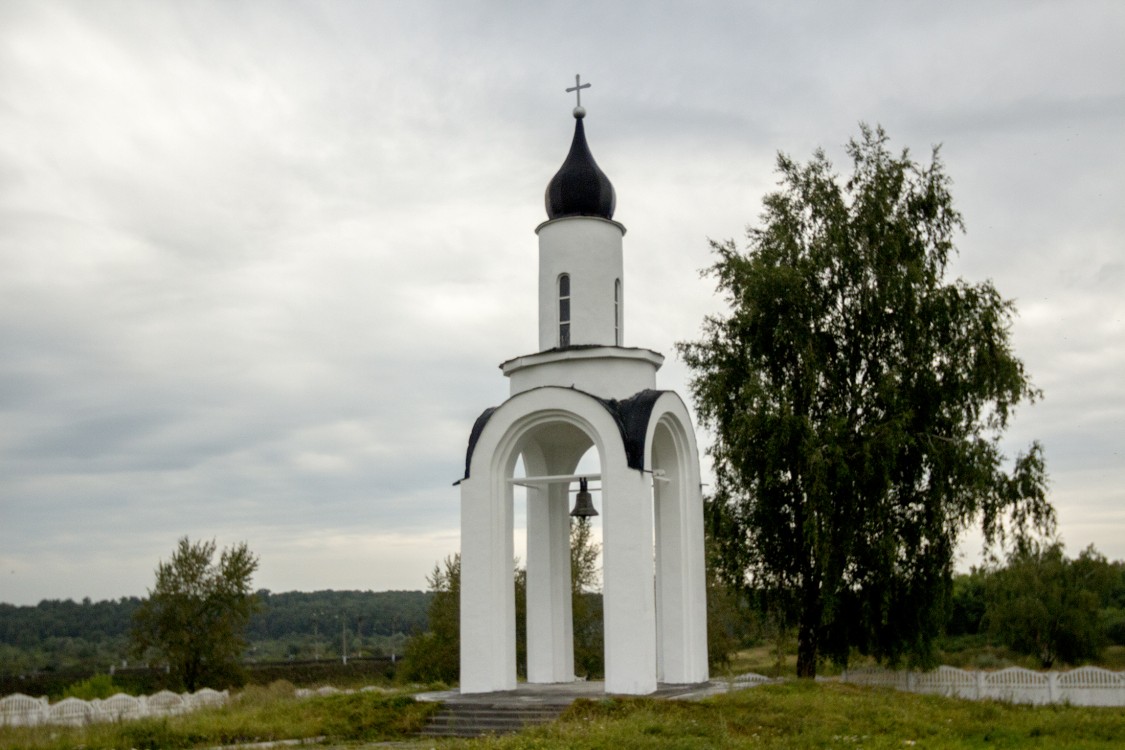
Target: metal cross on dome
(577, 88)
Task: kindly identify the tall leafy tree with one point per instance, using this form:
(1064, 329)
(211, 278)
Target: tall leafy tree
(858, 399)
(196, 613)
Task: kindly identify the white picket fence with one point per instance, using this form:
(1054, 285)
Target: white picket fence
(23, 710)
(1085, 686)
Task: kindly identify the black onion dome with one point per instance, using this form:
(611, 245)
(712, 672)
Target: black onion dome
(580, 188)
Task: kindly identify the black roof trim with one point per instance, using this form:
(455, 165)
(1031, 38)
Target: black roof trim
(631, 415)
(474, 436)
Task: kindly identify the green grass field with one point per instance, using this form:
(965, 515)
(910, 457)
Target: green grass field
(790, 715)
(810, 715)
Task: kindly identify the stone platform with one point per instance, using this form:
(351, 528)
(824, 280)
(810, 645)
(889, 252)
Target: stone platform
(565, 693)
(478, 714)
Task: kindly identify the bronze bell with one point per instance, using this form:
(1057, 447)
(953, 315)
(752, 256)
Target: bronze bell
(583, 503)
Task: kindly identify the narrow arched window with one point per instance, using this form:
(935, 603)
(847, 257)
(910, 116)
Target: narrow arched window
(617, 312)
(564, 310)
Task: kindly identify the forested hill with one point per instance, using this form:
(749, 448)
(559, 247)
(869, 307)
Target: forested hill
(28, 627)
(56, 634)
(363, 612)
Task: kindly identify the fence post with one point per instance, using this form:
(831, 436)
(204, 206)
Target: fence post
(980, 685)
(1052, 687)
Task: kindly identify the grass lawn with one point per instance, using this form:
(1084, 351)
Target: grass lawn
(810, 715)
(790, 715)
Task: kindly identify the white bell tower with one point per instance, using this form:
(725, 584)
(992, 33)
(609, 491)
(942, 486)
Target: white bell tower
(584, 389)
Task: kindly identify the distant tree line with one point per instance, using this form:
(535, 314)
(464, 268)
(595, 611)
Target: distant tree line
(64, 634)
(364, 613)
(29, 627)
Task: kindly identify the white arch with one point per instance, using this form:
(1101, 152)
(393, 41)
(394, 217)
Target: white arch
(551, 443)
(539, 422)
(681, 593)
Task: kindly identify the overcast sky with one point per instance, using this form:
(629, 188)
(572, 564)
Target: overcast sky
(259, 261)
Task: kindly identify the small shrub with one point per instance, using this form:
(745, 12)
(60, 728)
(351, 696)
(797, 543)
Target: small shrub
(99, 686)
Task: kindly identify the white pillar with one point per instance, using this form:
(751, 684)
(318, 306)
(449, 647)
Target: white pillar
(681, 579)
(488, 614)
(550, 627)
(629, 596)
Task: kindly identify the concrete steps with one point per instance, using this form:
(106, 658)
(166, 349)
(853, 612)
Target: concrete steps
(475, 719)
